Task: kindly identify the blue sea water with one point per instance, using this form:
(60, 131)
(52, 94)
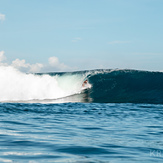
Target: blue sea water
(81, 132)
(116, 118)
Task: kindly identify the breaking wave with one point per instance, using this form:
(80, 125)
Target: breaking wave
(18, 86)
(104, 86)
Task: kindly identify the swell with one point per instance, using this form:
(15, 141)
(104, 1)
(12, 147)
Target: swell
(126, 86)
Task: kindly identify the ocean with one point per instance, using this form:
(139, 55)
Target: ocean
(50, 117)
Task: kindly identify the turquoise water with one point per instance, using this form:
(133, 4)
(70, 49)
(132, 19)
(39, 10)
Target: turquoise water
(81, 132)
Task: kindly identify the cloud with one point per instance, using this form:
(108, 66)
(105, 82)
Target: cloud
(2, 17)
(26, 67)
(54, 62)
(118, 42)
(36, 67)
(20, 63)
(76, 39)
(53, 65)
(2, 56)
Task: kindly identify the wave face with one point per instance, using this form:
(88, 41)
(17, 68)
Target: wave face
(104, 86)
(127, 86)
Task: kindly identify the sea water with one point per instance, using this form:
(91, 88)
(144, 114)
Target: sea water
(81, 132)
(117, 118)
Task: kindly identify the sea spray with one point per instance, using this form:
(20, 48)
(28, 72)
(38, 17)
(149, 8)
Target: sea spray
(18, 86)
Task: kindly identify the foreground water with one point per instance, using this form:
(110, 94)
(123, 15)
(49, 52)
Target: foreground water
(81, 132)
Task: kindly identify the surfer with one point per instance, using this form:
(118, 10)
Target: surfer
(85, 82)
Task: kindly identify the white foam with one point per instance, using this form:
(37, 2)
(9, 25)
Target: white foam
(18, 86)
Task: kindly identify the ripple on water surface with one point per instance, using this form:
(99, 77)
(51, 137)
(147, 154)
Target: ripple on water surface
(81, 132)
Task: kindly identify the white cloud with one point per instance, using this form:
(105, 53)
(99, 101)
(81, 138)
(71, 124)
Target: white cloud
(76, 39)
(20, 63)
(2, 17)
(2, 56)
(54, 62)
(118, 42)
(36, 67)
(53, 65)
(26, 67)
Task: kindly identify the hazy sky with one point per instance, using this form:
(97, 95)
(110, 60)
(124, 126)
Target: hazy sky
(67, 35)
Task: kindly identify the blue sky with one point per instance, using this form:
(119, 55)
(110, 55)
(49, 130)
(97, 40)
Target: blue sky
(67, 35)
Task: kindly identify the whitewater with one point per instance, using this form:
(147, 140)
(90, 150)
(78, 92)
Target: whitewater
(18, 86)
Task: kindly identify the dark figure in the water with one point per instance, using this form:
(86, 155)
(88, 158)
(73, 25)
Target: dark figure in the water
(85, 83)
